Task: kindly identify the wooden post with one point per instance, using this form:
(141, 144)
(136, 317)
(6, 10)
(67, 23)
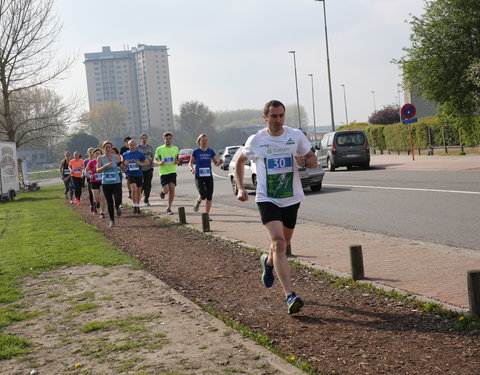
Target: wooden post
(205, 222)
(289, 249)
(181, 215)
(473, 282)
(356, 259)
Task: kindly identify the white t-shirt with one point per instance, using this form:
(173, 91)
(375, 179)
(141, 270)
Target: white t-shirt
(277, 171)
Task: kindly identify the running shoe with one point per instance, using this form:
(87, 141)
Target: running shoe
(130, 194)
(95, 210)
(162, 195)
(102, 215)
(147, 204)
(119, 211)
(267, 276)
(111, 224)
(138, 210)
(197, 206)
(91, 209)
(169, 211)
(294, 303)
(71, 202)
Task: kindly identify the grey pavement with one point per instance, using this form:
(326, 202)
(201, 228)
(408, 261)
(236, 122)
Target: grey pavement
(431, 271)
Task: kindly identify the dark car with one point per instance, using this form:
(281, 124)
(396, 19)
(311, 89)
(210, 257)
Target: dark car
(345, 148)
(184, 156)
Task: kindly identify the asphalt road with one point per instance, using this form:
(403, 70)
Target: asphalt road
(439, 206)
(434, 206)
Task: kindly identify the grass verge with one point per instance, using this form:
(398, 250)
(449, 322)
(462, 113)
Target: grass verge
(37, 234)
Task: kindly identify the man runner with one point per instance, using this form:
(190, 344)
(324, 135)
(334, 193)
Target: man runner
(277, 151)
(148, 169)
(166, 157)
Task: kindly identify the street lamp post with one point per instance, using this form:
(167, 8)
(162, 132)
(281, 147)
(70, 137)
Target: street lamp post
(345, 103)
(313, 105)
(374, 104)
(328, 65)
(296, 86)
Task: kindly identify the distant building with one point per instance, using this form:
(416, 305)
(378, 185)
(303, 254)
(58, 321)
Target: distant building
(424, 108)
(34, 158)
(138, 79)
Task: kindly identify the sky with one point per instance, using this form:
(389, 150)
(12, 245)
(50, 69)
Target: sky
(235, 54)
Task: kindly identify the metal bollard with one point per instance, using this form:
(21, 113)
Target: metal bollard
(181, 215)
(356, 259)
(206, 222)
(473, 282)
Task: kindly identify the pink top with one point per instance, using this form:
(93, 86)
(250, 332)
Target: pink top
(92, 166)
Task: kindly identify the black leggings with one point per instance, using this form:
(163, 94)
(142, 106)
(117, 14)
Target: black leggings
(90, 192)
(68, 187)
(77, 185)
(205, 187)
(147, 184)
(112, 192)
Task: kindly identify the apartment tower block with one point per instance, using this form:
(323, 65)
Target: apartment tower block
(139, 80)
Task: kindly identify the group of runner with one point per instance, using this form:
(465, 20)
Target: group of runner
(103, 170)
(277, 151)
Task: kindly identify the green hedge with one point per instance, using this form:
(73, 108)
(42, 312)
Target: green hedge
(427, 132)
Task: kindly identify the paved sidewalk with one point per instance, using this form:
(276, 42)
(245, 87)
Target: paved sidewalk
(430, 270)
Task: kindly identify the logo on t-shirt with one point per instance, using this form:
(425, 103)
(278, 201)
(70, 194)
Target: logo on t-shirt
(290, 142)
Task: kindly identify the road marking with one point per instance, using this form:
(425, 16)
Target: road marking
(407, 189)
(216, 175)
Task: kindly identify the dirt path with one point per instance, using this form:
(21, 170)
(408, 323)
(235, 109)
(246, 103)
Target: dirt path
(339, 331)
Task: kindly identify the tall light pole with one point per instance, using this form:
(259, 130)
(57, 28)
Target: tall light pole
(328, 65)
(374, 104)
(313, 105)
(296, 86)
(345, 102)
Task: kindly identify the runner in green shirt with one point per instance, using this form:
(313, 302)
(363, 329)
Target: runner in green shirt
(166, 156)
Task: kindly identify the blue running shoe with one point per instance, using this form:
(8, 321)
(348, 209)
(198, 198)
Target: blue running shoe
(294, 303)
(267, 275)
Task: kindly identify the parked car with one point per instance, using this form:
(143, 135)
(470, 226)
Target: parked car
(345, 148)
(310, 177)
(184, 156)
(227, 155)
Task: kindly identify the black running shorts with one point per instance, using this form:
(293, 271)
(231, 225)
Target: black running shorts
(271, 212)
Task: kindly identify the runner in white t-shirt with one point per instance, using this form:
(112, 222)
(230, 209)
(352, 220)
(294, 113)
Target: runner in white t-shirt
(277, 152)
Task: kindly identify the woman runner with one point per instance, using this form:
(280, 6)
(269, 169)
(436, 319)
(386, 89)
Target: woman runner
(202, 157)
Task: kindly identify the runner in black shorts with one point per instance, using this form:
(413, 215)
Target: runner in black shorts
(202, 157)
(277, 152)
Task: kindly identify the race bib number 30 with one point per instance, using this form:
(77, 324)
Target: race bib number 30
(279, 176)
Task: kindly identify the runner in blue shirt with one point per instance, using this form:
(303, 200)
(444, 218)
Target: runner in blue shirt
(202, 157)
(134, 159)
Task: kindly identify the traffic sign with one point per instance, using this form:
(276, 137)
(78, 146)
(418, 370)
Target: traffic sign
(409, 120)
(408, 111)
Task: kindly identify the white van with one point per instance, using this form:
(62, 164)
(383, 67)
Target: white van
(9, 184)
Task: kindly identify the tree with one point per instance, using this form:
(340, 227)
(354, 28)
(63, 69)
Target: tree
(445, 42)
(196, 118)
(81, 142)
(39, 117)
(473, 75)
(28, 29)
(389, 114)
(105, 120)
(291, 116)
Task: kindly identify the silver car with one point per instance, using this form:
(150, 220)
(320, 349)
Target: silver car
(226, 155)
(310, 177)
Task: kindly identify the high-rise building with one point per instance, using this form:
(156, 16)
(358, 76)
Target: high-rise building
(139, 80)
